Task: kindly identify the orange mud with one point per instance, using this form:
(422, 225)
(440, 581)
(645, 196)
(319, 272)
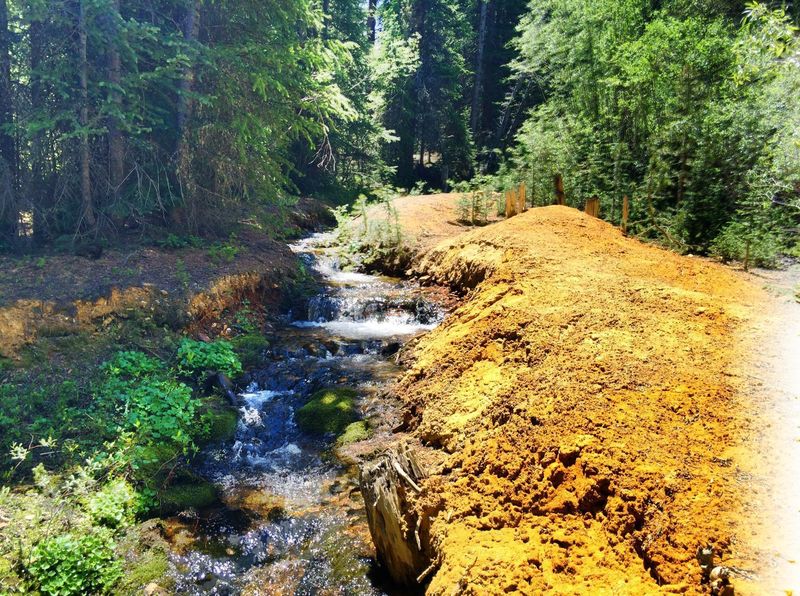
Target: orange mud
(584, 407)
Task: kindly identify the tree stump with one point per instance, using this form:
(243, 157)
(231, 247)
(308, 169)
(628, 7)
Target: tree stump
(386, 484)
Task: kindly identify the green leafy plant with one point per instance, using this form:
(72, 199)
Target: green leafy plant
(72, 564)
(223, 252)
(197, 357)
(182, 274)
(175, 241)
(114, 505)
(246, 318)
(132, 365)
(151, 415)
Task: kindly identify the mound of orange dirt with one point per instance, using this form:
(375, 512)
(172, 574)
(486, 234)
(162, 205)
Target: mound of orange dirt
(581, 404)
(426, 219)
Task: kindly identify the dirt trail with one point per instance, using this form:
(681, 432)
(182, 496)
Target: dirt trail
(771, 388)
(587, 402)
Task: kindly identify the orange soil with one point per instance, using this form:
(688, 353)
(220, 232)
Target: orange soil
(426, 219)
(582, 404)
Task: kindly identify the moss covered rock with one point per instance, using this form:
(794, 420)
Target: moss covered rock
(355, 432)
(250, 348)
(223, 425)
(194, 493)
(221, 420)
(151, 460)
(328, 411)
(145, 556)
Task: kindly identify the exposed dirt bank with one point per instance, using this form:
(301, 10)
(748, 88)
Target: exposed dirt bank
(586, 401)
(62, 293)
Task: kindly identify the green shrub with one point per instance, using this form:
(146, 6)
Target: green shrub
(150, 416)
(70, 564)
(133, 365)
(223, 252)
(155, 410)
(751, 245)
(114, 505)
(473, 207)
(174, 241)
(197, 357)
(328, 411)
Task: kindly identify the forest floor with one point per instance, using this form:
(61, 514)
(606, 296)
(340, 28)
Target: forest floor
(598, 408)
(55, 293)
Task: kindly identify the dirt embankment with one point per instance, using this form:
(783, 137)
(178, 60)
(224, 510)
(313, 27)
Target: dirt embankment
(62, 294)
(583, 402)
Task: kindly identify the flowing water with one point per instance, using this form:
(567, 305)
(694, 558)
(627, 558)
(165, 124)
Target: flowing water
(293, 522)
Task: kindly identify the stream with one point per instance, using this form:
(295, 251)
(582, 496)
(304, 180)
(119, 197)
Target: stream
(294, 521)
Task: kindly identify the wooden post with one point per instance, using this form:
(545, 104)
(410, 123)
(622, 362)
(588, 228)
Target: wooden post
(509, 209)
(625, 214)
(593, 206)
(559, 184)
(514, 201)
(521, 198)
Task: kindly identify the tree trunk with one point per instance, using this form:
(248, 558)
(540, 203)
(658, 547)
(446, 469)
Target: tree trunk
(8, 152)
(477, 90)
(326, 12)
(7, 146)
(116, 149)
(35, 184)
(558, 182)
(372, 21)
(89, 219)
(191, 28)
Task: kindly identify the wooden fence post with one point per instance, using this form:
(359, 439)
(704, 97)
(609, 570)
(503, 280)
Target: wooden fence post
(593, 206)
(509, 207)
(559, 184)
(521, 207)
(626, 211)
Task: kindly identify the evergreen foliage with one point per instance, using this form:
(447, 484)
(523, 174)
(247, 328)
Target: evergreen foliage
(685, 108)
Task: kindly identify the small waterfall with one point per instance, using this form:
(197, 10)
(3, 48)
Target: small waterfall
(305, 542)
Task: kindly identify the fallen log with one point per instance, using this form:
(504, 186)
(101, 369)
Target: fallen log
(387, 484)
